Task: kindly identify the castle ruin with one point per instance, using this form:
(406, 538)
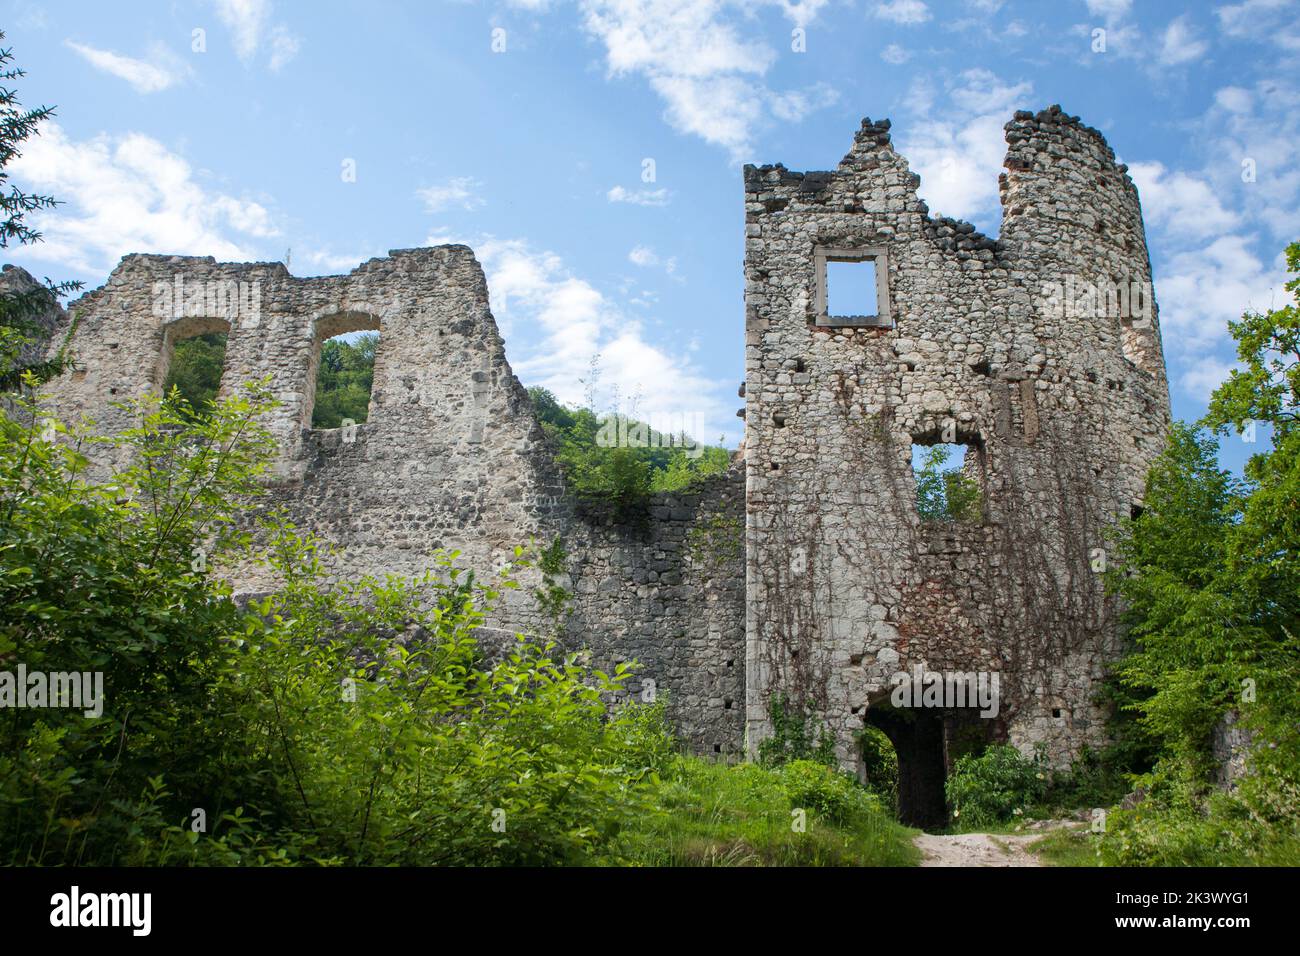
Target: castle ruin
(806, 571)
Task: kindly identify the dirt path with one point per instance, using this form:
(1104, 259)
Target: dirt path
(978, 849)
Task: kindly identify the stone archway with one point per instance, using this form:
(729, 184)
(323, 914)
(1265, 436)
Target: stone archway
(917, 736)
(927, 741)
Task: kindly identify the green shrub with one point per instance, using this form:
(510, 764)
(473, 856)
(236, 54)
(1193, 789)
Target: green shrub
(712, 814)
(357, 723)
(828, 793)
(988, 789)
(880, 764)
(794, 736)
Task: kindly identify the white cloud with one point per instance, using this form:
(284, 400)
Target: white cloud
(895, 54)
(1200, 290)
(902, 11)
(1234, 99)
(460, 191)
(1272, 21)
(639, 197)
(284, 47)
(980, 91)
(158, 73)
(1181, 43)
(643, 256)
(249, 22)
(128, 194)
(246, 20)
(1176, 200)
(325, 262)
(959, 157)
(797, 104)
(1206, 227)
(696, 58)
(1258, 129)
(1199, 376)
(799, 12)
(555, 323)
(1110, 10)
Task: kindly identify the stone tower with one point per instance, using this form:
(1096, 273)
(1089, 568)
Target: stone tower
(1038, 351)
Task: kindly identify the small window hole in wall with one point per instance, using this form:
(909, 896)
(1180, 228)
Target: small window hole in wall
(852, 287)
(950, 484)
(342, 380)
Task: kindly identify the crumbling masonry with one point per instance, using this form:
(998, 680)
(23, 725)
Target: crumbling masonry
(805, 570)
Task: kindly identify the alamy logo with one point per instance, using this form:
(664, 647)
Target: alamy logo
(209, 298)
(1079, 298)
(947, 689)
(657, 430)
(79, 690)
(103, 909)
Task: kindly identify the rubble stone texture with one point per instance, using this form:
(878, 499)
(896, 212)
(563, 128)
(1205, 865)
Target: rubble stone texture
(1062, 411)
(805, 569)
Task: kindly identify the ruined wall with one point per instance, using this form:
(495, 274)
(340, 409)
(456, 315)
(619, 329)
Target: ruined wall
(1062, 406)
(451, 457)
(835, 584)
(669, 590)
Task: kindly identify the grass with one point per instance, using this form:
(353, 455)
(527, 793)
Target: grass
(1067, 847)
(718, 815)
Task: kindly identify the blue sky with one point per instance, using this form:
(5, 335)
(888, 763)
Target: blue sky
(524, 127)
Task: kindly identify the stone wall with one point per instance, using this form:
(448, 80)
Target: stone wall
(451, 457)
(1061, 409)
(806, 569)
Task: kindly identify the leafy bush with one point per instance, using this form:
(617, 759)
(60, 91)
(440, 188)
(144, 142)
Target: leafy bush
(625, 476)
(711, 814)
(794, 736)
(880, 764)
(830, 794)
(358, 723)
(987, 789)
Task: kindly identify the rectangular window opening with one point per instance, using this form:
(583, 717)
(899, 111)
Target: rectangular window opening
(949, 482)
(194, 360)
(344, 379)
(852, 287)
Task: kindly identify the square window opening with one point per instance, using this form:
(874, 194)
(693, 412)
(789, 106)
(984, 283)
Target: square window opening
(852, 287)
(949, 482)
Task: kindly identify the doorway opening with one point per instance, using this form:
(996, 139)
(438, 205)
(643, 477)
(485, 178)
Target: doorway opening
(927, 742)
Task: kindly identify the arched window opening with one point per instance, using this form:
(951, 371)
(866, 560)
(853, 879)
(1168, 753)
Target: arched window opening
(193, 360)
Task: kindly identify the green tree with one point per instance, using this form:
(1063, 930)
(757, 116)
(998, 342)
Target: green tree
(344, 381)
(945, 494)
(1210, 575)
(21, 338)
(623, 474)
(196, 369)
